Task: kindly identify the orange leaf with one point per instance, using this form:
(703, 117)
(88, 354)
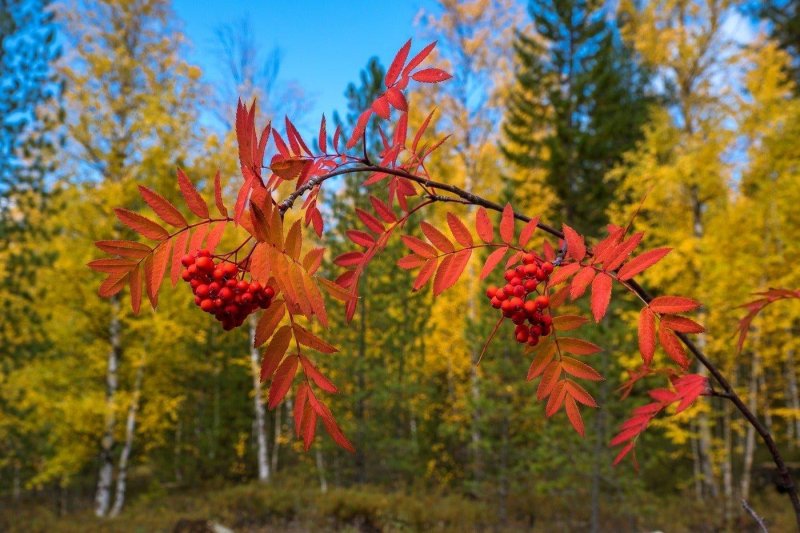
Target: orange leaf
(484, 226)
(282, 381)
(556, 399)
(673, 347)
(112, 285)
(642, 262)
(577, 346)
(425, 274)
(460, 231)
(218, 196)
(436, 237)
(215, 235)
(113, 266)
(544, 355)
(579, 393)
(580, 369)
(527, 232)
(548, 381)
(673, 304)
(161, 207)
(621, 252)
(160, 260)
(601, 295)
(507, 224)
(451, 271)
(411, 261)
(178, 251)
(493, 260)
(563, 273)
(647, 335)
(574, 415)
(581, 281)
(397, 64)
(139, 224)
(135, 282)
(268, 322)
(576, 248)
(275, 352)
(419, 247)
(317, 377)
(306, 338)
(193, 199)
(132, 249)
(331, 426)
(682, 324)
(568, 322)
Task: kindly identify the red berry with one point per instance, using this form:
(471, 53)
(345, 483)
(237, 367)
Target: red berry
(536, 330)
(226, 294)
(491, 292)
(206, 305)
(542, 301)
(231, 284)
(197, 300)
(533, 340)
(187, 260)
(516, 280)
(269, 292)
(501, 294)
(218, 274)
(230, 269)
(528, 258)
(496, 303)
(242, 286)
(203, 253)
(507, 306)
(520, 271)
(192, 269)
(547, 267)
(186, 275)
(247, 298)
(530, 285)
(516, 302)
(201, 291)
(530, 306)
(218, 303)
(545, 329)
(522, 336)
(540, 275)
(255, 286)
(547, 320)
(204, 263)
(519, 290)
(509, 275)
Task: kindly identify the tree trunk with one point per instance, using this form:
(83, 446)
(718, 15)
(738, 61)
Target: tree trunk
(710, 487)
(258, 406)
(276, 442)
(727, 469)
(794, 397)
(360, 460)
(696, 470)
(323, 482)
(106, 473)
(130, 431)
(750, 438)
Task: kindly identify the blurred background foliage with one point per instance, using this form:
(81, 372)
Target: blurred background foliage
(683, 113)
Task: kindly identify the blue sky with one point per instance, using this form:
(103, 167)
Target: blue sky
(324, 44)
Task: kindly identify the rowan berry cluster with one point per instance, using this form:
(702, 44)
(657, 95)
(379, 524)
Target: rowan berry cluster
(220, 290)
(521, 301)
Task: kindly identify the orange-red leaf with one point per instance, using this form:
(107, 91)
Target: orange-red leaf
(581, 281)
(411, 261)
(507, 224)
(436, 237)
(682, 324)
(178, 250)
(267, 323)
(193, 199)
(576, 248)
(579, 393)
(419, 247)
(460, 231)
(275, 352)
(642, 262)
(574, 415)
(601, 295)
(673, 347)
(673, 304)
(282, 381)
(161, 207)
(425, 274)
(306, 338)
(548, 381)
(397, 64)
(580, 369)
(484, 226)
(370, 221)
(139, 224)
(527, 232)
(161, 258)
(218, 196)
(568, 322)
(544, 355)
(135, 282)
(647, 335)
(493, 260)
(132, 249)
(430, 75)
(556, 399)
(450, 271)
(577, 346)
(317, 377)
(563, 273)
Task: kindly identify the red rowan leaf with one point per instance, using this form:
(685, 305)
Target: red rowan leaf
(682, 324)
(642, 262)
(316, 376)
(161, 258)
(306, 338)
(269, 320)
(492, 261)
(218, 196)
(507, 224)
(621, 252)
(411, 261)
(558, 298)
(421, 131)
(664, 396)
(349, 259)
(313, 259)
(362, 238)
(673, 347)
(419, 58)
(335, 290)
(113, 266)
(623, 452)
(419, 247)
(430, 75)
(397, 99)
(295, 139)
(300, 407)
(484, 226)
(544, 356)
(322, 140)
(580, 369)
(396, 67)
(548, 381)
(282, 381)
(383, 210)
(178, 251)
(439, 281)
(576, 248)
(275, 351)
(459, 230)
(436, 237)
(579, 393)
(161, 207)
(294, 241)
(112, 285)
(647, 335)
(289, 168)
(673, 304)
(450, 269)
(563, 273)
(135, 282)
(283, 150)
(132, 249)
(556, 399)
(574, 415)
(361, 125)
(139, 224)
(577, 346)
(601, 295)
(308, 427)
(568, 322)
(581, 281)
(489, 339)
(315, 298)
(370, 221)
(527, 232)
(425, 274)
(381, 107)
(602, 250)
(215, 235)
(193, 199)
(330, 423)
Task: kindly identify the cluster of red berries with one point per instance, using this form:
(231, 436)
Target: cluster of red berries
(520, 300)
(219, 290)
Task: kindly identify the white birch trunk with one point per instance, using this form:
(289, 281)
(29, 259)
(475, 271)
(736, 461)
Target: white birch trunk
(130, 432)
(106, 473)
(258, 406)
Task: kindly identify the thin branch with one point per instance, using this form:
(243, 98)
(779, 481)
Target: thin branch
(754, 515)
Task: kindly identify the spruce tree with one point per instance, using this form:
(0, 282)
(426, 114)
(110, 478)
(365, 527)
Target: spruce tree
(783, 17)
(578, 103)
